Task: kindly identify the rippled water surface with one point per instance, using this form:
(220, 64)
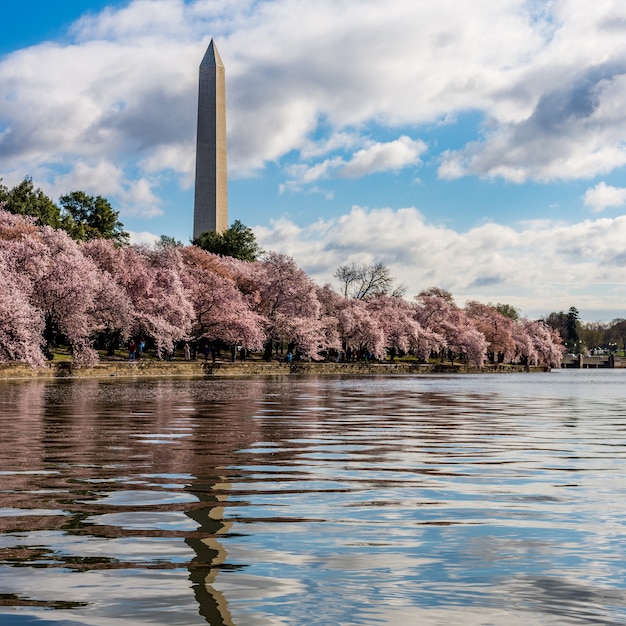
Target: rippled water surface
(296, 501)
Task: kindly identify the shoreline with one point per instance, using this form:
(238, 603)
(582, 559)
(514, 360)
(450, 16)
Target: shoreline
(203, 369)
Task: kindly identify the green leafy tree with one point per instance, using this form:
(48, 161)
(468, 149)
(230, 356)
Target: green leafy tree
(24, 199)
(236, 241)
(508, 310)
(93, 218)
(594, 335)
(165, 241)
(616, 333)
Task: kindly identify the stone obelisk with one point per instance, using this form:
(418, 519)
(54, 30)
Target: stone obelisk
(211, 196)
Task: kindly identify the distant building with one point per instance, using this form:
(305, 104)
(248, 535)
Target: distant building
(211, 191)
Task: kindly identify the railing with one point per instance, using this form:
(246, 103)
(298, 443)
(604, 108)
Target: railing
(601, 361)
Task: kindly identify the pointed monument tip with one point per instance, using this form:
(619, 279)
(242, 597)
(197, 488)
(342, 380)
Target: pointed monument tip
(212, 56)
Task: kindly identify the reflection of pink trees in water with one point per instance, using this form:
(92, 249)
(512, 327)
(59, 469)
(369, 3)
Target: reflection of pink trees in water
(94, 462)
(94, 465)
(55, 289)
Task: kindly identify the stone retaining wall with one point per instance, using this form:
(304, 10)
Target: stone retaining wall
(200, 369)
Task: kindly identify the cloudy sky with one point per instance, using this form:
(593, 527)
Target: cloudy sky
(475, 145)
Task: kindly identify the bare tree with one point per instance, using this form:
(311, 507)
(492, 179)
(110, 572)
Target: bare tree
(363, 281)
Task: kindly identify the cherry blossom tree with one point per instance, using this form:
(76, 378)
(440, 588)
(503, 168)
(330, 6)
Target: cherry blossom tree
(54, 277)
(401, 330)
(537, 343)
(496, 328)
(14, 226)
(354, 326)
(162, 308)
(156, 304)
(287, 300)
(221, 313)
(113, 306)
(438, 312)
(66, 290)
(331, 303)
(21, 324)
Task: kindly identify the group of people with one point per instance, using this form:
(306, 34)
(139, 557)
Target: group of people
(237, 353)
(238, 350)
(135, 350)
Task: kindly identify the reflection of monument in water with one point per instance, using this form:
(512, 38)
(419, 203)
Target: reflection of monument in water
(213, 446)
(210, 554)
(211, 192)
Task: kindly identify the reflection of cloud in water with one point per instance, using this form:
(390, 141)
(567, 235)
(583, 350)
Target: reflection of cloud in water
(143, 498)
(13, 512)
(315, 501)
(445, 616)
(137, 520)
(248, 587)
(569, 599)
(156, 597)
(145, 549)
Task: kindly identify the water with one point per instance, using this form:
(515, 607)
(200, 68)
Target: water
(375, 501)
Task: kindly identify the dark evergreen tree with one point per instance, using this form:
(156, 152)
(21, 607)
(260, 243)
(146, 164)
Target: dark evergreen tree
(24, 199)
(568, 327)
(93, 217)
(237, 241)
(572, 324)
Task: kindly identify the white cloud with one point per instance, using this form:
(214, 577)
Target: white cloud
(381, 157)
(143, 237)
(550, 82)
(309, 78)
(604, 196)
(375, 157)
(133, 197)
(338, 141)
(101, 178)
(334, 89)
(537, 266)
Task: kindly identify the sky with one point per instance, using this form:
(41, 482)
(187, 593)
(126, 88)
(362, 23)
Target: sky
(473, 145)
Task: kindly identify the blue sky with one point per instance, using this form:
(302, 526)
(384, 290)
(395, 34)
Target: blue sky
(475, 146)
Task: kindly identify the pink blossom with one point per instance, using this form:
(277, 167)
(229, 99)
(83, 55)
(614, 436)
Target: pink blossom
(21, 324)
(495, 327)
(221, 311)
(538, 344)
(287, 300)
(438, 312)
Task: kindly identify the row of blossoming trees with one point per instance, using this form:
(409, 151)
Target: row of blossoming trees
(53, 289)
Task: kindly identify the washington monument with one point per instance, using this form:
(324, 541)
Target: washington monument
(211, 197)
